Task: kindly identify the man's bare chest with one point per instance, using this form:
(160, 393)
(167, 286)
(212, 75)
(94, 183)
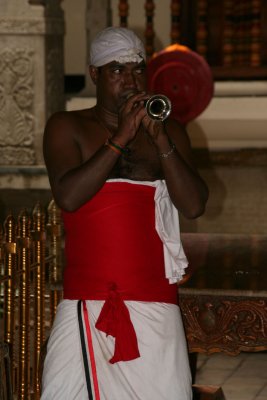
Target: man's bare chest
(139, 162)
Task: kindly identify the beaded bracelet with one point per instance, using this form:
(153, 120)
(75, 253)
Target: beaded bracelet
(116, 147)
(167, 155)
(113, 148)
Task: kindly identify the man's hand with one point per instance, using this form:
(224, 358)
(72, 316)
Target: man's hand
(130, 117)
(154, 128)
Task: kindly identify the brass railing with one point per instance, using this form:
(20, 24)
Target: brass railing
(31, 274)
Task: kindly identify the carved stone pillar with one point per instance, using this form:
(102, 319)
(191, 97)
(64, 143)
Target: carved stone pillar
(98, 16)
(31, 77)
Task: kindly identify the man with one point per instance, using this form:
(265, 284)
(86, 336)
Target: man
(118, 333)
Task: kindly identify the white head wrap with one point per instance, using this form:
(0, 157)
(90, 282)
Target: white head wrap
(116, 44)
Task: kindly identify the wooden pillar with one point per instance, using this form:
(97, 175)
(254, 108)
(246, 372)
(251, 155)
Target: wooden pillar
(123, 9)
(215, 21)
(149, 29)
(175, 21)
(201, 28)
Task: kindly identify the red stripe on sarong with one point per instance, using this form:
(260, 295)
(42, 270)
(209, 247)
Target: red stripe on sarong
(91, 351)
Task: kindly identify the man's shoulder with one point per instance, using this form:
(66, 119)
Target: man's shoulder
(69, 121)
(71, 116)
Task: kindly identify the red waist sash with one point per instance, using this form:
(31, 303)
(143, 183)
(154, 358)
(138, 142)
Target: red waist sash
(112, 240)
(114, 253)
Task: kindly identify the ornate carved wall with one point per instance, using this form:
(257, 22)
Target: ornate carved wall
(16, 106)
(31, 76)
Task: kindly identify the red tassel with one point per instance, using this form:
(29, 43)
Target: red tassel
(115, 321)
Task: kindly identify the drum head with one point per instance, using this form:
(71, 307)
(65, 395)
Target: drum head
(185, 77)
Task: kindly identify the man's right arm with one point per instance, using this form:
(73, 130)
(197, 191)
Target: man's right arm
(74, 177)
(74, 181)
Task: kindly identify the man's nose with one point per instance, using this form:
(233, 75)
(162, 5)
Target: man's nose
(130, 80)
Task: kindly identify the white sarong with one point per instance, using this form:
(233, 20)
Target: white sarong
(160, 373)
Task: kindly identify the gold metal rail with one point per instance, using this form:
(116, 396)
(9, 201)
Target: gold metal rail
(30, 287)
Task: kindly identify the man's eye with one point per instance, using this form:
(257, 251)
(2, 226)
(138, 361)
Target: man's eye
(116, 71)
(140, 71)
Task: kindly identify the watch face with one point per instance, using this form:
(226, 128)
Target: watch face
(184, 77)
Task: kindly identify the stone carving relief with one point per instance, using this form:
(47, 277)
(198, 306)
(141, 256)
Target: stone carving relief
(33, 27)
(15, 26)
(16, 107)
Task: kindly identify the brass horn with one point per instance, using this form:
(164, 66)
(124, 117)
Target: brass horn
(158, 107)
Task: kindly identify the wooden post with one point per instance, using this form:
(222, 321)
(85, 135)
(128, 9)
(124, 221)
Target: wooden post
(149, 30)
(201, 30)
(175, 20)
(123, 8)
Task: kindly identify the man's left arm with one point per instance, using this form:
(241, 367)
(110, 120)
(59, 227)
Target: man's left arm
(187, 189)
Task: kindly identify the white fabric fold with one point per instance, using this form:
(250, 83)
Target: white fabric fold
(116, 44)
(168, 228)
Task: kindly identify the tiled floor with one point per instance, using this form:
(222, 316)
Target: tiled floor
(243, 377)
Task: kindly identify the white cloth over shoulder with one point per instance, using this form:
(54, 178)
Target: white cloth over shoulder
(168, 228)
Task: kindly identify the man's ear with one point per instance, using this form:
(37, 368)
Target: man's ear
(93, 73)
